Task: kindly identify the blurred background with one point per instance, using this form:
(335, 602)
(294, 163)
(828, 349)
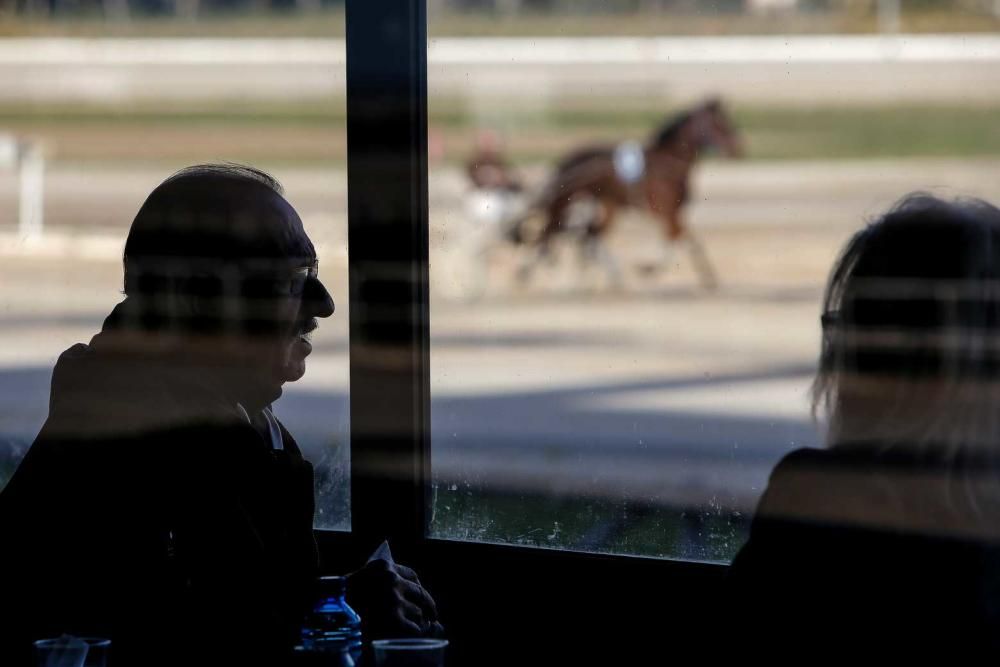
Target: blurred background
(639, 415)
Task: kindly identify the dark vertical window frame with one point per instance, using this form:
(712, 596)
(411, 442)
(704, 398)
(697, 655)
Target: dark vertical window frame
(389, 298)
(479, 587)
(388, 263)
(555, 597)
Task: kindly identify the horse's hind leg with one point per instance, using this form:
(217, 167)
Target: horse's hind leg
(596, 248)
(606, 258)
(702, 265)
(528, 264)
(542, 248)
(533, 258)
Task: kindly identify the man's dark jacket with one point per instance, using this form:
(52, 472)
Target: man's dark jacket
(150, 511)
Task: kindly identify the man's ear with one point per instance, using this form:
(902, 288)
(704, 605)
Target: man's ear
(203, 296)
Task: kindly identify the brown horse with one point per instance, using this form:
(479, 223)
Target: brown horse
(590, 186)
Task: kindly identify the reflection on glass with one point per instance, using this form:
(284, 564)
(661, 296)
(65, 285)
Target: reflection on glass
(633, 217)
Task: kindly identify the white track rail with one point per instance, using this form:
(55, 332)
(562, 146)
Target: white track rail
(513, 51)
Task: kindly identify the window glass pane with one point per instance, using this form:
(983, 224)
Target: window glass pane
(608, 377)
(100, 102)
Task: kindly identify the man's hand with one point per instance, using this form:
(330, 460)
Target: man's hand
(391, 601)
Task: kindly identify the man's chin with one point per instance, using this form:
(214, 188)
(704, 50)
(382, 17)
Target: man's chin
(293, 370)
(293, 365)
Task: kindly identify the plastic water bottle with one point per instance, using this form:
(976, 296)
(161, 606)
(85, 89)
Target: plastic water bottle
(332, 625)
(334, 654)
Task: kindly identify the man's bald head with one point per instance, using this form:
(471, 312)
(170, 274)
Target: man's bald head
(209, 215)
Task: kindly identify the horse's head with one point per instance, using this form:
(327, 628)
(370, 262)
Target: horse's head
(704, 127)
(713, 129)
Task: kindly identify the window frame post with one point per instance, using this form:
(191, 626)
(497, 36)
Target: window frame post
(388, 265)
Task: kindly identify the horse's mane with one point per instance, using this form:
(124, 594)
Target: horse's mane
(669, 130)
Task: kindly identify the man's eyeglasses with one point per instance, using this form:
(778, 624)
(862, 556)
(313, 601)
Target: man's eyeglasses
(291, 283)
(299, 277)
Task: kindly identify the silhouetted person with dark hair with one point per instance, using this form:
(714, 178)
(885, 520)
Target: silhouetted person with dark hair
(888, 541)
(162, 504)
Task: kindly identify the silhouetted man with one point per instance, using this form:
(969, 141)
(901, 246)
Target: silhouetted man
(163, 504)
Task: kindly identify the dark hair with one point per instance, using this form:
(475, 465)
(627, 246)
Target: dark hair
(210, 214)
(231, 170)
(911, 326)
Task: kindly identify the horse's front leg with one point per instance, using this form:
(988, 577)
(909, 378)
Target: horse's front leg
(667, 203)
(663, 203)
(679, 234)
(702, 265)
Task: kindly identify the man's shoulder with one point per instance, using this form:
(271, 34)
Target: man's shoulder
(75, 351)
(69, 363)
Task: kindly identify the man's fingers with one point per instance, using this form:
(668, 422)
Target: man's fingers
(378, 565)
(417, 595)
(407, 573)
(410, 624)
(411, 611)
(396, 599)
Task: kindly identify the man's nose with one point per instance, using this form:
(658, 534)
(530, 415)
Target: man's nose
(317, 299)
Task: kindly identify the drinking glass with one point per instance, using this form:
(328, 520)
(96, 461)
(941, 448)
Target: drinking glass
(60, 652)
(97, 651)
(409, 652)
(68, 651)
